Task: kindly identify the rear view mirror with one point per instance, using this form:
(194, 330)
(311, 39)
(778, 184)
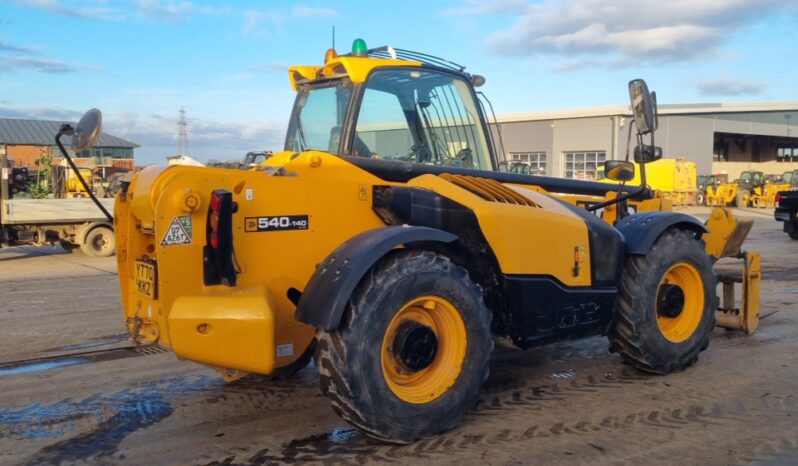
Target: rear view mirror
(88, 130)
(644, 106)
(619, 170)
(646, 154)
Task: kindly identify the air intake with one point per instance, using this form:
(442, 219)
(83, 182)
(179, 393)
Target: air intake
(488, 189)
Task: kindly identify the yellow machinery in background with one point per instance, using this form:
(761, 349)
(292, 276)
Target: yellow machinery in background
(73, 186)
(675, 178)
(723, 194)
(740, 192)
(765, 197)
(752, 189)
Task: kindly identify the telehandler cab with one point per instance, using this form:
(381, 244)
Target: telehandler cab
(384, 243)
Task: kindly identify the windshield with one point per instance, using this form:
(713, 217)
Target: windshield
(421, 116)
(745, 176)
(318, 117)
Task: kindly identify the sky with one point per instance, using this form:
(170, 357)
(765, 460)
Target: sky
(140, 61)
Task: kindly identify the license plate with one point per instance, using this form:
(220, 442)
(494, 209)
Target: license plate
(784, 216)
(146, 278)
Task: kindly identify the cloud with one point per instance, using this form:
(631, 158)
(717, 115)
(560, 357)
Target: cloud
(260, 22)
(23, 57)
(87, 9)
(254, 22)
(252, 18)
(39, 113)
(307, 11)
(729, 87)
(157, 135)
(269, 67)
(624, 32)
(6, 47)
(481, 7)
(43, 65)
(170, 11)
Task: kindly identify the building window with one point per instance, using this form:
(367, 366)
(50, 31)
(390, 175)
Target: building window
(583, 165)
(787, 154)
(534, 162)
(107, 152)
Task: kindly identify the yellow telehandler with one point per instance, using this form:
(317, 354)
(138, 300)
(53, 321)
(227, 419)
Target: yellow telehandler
(384, 243)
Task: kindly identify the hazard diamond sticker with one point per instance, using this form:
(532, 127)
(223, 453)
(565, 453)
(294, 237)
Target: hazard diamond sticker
(179, 231)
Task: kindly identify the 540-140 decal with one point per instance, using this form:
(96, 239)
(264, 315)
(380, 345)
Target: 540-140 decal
(276, 223)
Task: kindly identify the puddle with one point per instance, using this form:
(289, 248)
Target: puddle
(341, 434)
(131, 412)
(95, 426)
(43, 364)
(40, 366)
(563, 374)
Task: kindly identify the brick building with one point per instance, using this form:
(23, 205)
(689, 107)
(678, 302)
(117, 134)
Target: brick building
(24, 141)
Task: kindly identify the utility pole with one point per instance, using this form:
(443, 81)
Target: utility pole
(182, 133)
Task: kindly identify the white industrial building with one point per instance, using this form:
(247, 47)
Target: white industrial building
(720, 138)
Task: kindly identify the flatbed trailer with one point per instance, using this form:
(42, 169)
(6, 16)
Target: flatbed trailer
(72, 223)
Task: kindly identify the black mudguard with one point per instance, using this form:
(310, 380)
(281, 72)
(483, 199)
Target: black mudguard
(641, 230)
(325, 297)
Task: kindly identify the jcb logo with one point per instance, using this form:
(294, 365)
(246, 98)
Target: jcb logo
(251, 224)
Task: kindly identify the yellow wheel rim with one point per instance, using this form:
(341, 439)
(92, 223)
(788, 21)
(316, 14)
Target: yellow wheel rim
(429, 383)
(681, 327)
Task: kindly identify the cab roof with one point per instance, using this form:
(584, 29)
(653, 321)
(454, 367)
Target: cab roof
(357, 68)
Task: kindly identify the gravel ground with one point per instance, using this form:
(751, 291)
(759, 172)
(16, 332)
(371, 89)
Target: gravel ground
(72, 390)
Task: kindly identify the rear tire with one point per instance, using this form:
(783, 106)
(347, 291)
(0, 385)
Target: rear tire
(643, 333)
(365, 365)
(99, 242)
(701, 199)
(793, 235)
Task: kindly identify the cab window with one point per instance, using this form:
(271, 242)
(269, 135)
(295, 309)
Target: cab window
(420, 116)
(318, 117)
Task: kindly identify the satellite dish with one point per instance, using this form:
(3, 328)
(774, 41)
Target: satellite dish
(88, 130)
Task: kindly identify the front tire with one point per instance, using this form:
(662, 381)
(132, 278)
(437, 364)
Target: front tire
(412, 351)
(666, 307)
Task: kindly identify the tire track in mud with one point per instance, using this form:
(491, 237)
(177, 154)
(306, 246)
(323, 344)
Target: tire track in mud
(95, 425)
(348, 446)
(501, 393)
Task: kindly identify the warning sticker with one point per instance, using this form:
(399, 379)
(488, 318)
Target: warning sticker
(179, 231)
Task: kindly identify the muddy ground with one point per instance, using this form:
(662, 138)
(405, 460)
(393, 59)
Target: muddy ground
(72, 390)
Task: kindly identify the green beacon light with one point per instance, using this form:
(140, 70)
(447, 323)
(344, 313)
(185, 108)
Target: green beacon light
(359, 48)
